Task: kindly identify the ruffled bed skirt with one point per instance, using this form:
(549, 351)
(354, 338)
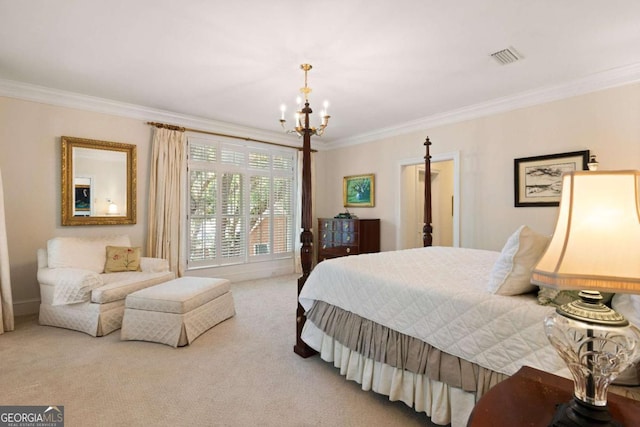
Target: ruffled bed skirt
(370, 367)
(442, 403)
(404, 368)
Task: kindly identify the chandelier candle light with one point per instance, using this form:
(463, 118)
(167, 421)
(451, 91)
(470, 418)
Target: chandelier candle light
(594, 248)
(302, 113)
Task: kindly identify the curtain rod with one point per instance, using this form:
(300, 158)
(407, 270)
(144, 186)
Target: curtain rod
(183, 129)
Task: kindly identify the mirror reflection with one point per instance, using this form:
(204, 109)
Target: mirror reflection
(98, 182)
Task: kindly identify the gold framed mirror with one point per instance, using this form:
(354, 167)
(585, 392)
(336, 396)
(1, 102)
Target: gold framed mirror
(99, 181)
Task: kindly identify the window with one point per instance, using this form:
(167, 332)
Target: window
(261, 248)
(241, 204)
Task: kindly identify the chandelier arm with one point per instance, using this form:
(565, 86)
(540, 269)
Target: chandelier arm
(302, 126)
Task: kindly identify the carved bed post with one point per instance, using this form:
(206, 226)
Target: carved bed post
(427, 229)
(306, 236)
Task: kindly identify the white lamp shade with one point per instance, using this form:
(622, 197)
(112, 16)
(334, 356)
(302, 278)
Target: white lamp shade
(596, 243)
(113, 209)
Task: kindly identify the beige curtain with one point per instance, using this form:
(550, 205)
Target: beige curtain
(6, 301)
(298, 244)
(166, 198)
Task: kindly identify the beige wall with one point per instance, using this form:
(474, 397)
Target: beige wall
(606, 122)
(30, 162)
(410, 214)
(442, 211)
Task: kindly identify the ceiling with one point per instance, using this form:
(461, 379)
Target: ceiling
(380, 64)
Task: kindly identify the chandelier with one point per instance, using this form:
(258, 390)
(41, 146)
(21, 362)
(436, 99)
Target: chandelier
(303, 111)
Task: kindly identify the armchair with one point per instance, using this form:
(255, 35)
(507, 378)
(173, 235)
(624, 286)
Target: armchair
(76, 291)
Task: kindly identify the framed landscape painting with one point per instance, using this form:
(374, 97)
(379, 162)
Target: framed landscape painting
(358, 191)
(538, 180)
(82, 198)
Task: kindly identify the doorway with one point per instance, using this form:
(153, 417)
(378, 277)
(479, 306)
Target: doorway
(444, 201)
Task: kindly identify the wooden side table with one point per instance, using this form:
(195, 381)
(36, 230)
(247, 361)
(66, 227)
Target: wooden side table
(529, 398)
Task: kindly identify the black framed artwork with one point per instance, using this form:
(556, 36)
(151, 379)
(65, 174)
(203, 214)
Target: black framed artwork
(538, 180)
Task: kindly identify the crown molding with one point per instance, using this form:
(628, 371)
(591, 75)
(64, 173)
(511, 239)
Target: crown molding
(605, 80)
(45, 95)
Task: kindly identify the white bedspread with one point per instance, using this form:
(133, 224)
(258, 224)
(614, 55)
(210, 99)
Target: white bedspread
(439, 295)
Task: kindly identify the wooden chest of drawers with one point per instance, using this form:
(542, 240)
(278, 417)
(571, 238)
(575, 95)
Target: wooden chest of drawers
(341, 237)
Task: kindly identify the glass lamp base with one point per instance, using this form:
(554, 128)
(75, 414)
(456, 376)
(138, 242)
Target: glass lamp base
(595, 342)
(580, 414)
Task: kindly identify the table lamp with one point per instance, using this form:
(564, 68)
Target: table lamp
(113, 208)
(595, 247)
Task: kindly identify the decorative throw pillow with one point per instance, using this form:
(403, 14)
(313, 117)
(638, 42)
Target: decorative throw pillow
(122, 258)
(511, 274)
(556, 297)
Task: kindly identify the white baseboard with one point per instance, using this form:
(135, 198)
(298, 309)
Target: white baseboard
(242, 272)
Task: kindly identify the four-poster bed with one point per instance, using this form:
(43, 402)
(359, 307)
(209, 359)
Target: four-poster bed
(306, 236)
(434, 327)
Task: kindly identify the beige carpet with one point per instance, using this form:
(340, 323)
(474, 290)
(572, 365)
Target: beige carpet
(243, 372)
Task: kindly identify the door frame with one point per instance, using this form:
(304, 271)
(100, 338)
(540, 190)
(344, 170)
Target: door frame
(455, 156)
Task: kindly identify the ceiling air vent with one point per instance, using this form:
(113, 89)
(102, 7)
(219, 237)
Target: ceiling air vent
(506, 56)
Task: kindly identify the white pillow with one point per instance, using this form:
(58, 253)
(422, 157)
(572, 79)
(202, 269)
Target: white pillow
(88, 253)
(629, 306)
(511, 274)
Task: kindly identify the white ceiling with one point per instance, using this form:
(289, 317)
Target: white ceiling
(381, 64)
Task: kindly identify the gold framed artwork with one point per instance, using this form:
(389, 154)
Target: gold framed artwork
(358, 191)
(97, 175)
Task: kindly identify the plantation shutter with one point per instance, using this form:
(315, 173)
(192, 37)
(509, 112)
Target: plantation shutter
(283, 216)
(203, 215)
(241, 203)
(284, 222)
(260, 215)
(202, 203)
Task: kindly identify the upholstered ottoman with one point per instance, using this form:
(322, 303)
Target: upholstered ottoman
(178, 311)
